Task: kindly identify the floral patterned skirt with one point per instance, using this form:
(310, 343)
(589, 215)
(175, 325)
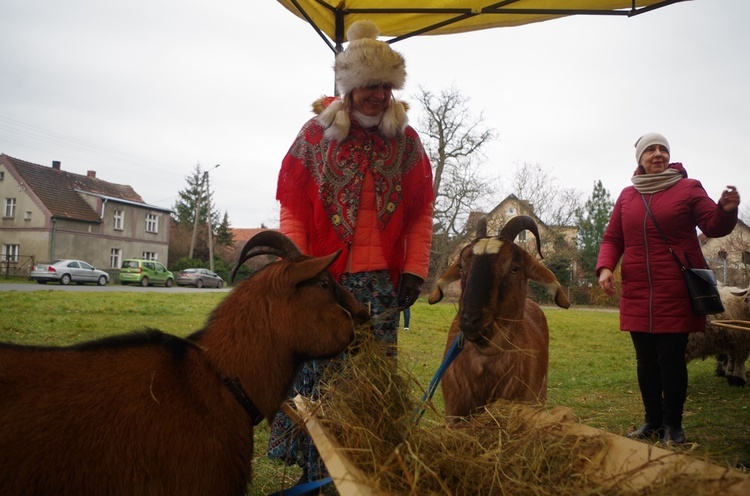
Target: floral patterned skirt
(288, 441)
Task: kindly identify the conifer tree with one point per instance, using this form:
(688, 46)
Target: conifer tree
(592, 222)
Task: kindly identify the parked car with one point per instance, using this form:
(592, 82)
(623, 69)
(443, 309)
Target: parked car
(145, 273)
(67, 271)
(199, 278)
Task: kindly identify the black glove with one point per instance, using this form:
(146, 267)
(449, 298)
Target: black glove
(409, 290)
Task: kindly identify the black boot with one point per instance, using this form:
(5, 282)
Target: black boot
(647, 431)
(674, 434)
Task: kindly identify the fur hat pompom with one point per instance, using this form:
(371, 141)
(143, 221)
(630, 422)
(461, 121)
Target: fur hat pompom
(394, 120)
(362, 29)
(367, 61)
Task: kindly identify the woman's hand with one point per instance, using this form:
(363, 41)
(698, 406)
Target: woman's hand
(607, 281)
(730, 199)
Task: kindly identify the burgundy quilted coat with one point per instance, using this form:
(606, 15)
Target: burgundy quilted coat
(654, 296)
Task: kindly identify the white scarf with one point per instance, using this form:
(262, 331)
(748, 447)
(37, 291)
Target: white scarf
(653, 183)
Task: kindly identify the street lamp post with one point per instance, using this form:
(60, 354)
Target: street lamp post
(204, 180)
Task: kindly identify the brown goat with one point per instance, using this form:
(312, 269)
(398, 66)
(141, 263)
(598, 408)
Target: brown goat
(154, 414)
(506, 353)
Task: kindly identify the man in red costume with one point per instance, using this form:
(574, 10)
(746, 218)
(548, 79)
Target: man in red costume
(357, 179)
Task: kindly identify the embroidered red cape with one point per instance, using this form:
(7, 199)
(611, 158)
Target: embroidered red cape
(321, 179)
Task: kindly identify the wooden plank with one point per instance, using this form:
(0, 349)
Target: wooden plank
(638, 465)
(347, 478)
(740, 325)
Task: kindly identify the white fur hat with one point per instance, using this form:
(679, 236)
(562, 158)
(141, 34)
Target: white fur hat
(647, 140)
(367, 61)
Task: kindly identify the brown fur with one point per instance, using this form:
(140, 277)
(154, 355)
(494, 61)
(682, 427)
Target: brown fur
(507, 338)
(146, 414)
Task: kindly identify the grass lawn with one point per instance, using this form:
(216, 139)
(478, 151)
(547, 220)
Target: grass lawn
(592, 363)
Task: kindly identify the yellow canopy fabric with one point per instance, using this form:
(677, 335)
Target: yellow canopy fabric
(404, 18)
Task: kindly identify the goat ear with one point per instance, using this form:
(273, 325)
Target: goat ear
(435, 296)
(304, 270)
(538, 272)
(451, 274)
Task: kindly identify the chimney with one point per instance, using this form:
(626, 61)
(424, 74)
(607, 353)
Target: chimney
(56, 164)
(91, 173)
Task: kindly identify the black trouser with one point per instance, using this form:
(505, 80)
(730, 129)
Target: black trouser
(662, 375)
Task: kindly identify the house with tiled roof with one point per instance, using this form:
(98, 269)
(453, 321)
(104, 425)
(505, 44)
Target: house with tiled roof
(729, 256)
(511, 206)
(49, 213)
(242, 235)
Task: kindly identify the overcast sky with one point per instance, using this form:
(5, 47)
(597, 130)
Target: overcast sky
(142, 91)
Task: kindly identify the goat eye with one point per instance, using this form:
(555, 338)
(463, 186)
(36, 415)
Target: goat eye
(323, 284)
(515, 269)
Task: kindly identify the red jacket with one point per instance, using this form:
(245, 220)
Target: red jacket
(654, 296)
(368, 195)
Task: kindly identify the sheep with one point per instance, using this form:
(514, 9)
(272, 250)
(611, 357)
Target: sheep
(506, 353)
(731, 346)
(153, 414)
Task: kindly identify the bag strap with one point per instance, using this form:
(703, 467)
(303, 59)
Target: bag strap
(658, 228)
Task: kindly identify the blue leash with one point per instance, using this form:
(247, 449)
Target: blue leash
(303, 488)
(453, 351)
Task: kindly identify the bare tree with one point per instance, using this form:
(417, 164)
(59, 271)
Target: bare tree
(453, 139)
(552, 204)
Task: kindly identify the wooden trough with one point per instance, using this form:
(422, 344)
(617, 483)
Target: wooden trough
(629, 465)
(366, 429)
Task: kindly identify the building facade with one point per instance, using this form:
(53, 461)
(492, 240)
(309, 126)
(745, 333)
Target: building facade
(48, 213)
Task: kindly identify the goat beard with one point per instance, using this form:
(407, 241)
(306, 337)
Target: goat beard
(492, 339)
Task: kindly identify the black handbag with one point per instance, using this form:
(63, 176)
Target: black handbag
(701, 283)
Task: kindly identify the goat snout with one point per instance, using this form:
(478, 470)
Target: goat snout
(471, 324)
(348, 302)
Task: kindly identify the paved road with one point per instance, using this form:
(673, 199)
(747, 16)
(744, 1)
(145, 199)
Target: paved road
(108, 287)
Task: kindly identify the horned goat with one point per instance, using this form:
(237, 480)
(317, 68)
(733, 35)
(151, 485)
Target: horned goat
(506, 353)
(153, 414)
(730, 346)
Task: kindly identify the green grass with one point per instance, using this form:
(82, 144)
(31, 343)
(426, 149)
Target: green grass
(592, 363)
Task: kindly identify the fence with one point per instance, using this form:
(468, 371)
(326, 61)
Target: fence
(19, 266)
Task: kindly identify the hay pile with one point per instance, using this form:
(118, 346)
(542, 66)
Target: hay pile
(369, 405)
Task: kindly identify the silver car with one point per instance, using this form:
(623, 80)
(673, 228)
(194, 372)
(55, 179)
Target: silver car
(199, 278)
(67, 271)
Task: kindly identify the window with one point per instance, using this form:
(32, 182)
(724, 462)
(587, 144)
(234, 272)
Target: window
(2, 175)
(10, 253)
(746, 257)
(27, 215)
(9, 209)
(115, 254)
(152, 223)
(118, 220)
(149, 255)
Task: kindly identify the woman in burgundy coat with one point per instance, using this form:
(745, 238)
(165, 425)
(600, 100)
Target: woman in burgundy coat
(654, 303)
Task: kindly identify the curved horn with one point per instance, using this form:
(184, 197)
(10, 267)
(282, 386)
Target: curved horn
(481, 228)
(517, 224)
(267, 243)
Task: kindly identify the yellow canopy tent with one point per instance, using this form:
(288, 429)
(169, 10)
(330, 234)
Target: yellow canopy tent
(402, 19)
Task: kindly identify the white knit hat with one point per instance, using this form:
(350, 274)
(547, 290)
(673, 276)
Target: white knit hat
(647, 140)
(367, 61)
